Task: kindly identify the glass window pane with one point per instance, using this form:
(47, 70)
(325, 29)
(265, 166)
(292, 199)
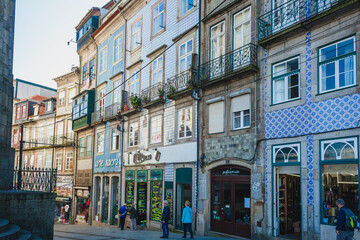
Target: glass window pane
(216, 202)
(227, 202)
(328, 53)
(242, 211)
(345, 47)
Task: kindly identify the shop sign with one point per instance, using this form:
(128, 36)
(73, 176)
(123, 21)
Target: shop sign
(141, 157)
(129, 175)
(156, 175)
(141, 176)
(79, 193)
(108, 162)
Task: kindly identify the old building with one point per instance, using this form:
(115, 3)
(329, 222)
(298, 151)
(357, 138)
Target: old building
(64, 141)
(230, 196)
(311, 89)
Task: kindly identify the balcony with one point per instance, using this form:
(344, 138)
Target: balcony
(238, 61)
(65, 139)
(294, 15)
(153, 95)
(131, 108)
(112, 110)
(97, 116)
(180, 84)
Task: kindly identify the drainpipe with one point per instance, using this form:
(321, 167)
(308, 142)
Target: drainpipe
(198, 124)
(122, 120)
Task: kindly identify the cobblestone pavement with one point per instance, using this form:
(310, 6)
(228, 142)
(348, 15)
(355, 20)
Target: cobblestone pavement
(85, 232)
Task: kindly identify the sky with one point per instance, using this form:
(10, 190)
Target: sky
(42, 30)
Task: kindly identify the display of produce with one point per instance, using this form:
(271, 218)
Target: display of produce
(129, 194)
(141, 202)
(156, 202)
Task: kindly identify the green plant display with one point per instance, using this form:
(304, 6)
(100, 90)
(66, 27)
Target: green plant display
(135, 101)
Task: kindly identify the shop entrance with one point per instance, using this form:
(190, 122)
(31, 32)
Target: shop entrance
(141, 202)
(183, 193)
(287, 201)
(230, 201)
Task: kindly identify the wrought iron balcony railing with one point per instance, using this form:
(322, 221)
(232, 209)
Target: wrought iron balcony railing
(290, 13)
(35, 179)
(112, 110)
(181, 81)
(228, 63)
(153, 93)
(97, 116)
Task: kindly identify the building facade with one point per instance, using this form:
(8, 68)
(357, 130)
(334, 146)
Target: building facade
(311, 92)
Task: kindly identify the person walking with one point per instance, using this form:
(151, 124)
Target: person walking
(165, 220)
(187, 219)
(122, 213)
(133, 216)
(343, 232)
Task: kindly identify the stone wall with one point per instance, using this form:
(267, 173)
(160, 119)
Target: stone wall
(32, 211)
(7, 17)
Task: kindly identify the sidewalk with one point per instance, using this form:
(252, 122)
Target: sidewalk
(84, 232)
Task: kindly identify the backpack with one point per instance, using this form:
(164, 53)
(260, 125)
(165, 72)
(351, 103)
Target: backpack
(350, 220)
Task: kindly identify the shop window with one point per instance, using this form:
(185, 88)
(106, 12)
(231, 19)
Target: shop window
(97, 198)
(286, 80)
(216, 117)
(240, 110)
(337, 65)
(115, 200)
(339, 176)
(141, 179)
(185, 126)
(129, 187)
(286, 153)
(169, 196)
(105, 200)
(156, 194)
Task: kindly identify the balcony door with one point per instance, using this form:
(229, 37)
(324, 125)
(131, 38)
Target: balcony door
(285, 13)
(217, 49)
(242, 37)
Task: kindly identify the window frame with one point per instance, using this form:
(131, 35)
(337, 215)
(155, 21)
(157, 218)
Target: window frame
(85, 73)
(182, 15)
(217, 36)
(92, 69)
(88, 146)
(160, 67)
(158, 120)
(58, 160)
(133, 134)
(242, 114)
(133, 82)
(101, 100)
(286, 79)
(161, 30)
(273, 153)
(62, 99)
(103, 59)
(186, 55)
(23, 111)
(241, 24)
(69, 161)
(100, 144)
(178, 123)
(135, 34)
(118, 49)
(81, 147)
(113, 132)
(336, 60)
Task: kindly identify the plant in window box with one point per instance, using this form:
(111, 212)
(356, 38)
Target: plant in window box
(161, 93)
(135, 101)
(172, 90)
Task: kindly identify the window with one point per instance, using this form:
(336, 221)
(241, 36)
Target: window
(217, 40)
(26, 161)
(155, 129)
(18, 113)
(157, 71)
(116, 92)
(242, 28)
(133, 134)
(136, 35)
(337, 64)
(135, 84)
(185, 6)
(15, 136)
(185, 125)
(48, 106)
(88, 146)
(69, 161)
(185, 56)
(92, 69)
(286, 153)
(339, 176)
(216, 117)
(23, 111)
(32, 160)
(72, 94)
(115, 142)
(81, 147)
(285, 80)
(61, 98)
(85, 74)
(103, 59)
(101, 101)
(39, 163)
(158, 18)
(58, 161)
(118, 48)
(240, 110)
(100, 142)
(48, 160)
(80, 107)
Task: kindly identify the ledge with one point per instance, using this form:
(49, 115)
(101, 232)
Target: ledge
(134, 64)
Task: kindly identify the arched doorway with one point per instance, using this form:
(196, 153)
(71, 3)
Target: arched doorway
(230, 200)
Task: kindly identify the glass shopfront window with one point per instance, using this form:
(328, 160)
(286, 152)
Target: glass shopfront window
(141, 179)
(115, 199)
(97, 197)
(156, 194)
(339, 176)
(129, 187)
(105, 200)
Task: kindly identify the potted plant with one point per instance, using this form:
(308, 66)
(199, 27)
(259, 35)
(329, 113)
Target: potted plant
(161, 92)
(172, 90)
(126, 108)
(135, 101)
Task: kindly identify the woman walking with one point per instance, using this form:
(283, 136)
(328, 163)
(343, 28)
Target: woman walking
(133, 216)
(187, 219)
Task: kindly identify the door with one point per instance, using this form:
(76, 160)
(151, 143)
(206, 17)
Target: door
(183, 193)
(276, 202)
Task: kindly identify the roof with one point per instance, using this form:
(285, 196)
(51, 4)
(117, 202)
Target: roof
(35, 97)
(94, 11)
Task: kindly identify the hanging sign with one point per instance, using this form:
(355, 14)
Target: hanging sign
(129, 175)
(156, 175)
(141, 175)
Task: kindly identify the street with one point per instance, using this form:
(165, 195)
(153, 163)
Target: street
(72, 231)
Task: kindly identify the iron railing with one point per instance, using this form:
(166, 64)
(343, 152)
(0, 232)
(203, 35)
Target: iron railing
(181, 81)
(228, 63)
(152, 93)
(35, 179)
(112, 110)
(97, 116)
(290, 13)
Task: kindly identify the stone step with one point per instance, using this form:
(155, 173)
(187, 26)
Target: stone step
(4, 225)
(24, 235)
(11, 233)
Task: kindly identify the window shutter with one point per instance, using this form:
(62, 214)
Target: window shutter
(216, 117)
(240, 103)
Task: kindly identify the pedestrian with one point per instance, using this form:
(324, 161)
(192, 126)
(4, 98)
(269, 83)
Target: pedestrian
(165, 220)
(343, 231)
(187, 219)
(122, 213)
(133, 216)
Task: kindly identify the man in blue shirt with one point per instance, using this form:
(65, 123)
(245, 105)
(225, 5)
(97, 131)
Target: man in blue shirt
(342, 233)
(122, 213)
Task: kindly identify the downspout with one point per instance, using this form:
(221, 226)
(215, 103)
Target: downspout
(122, 120)
(93, 155)
(198, 123)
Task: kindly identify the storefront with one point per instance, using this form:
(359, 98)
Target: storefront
(156, 194)
(230, 201)
(184, 191)
(82, 205)
(142, 181)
